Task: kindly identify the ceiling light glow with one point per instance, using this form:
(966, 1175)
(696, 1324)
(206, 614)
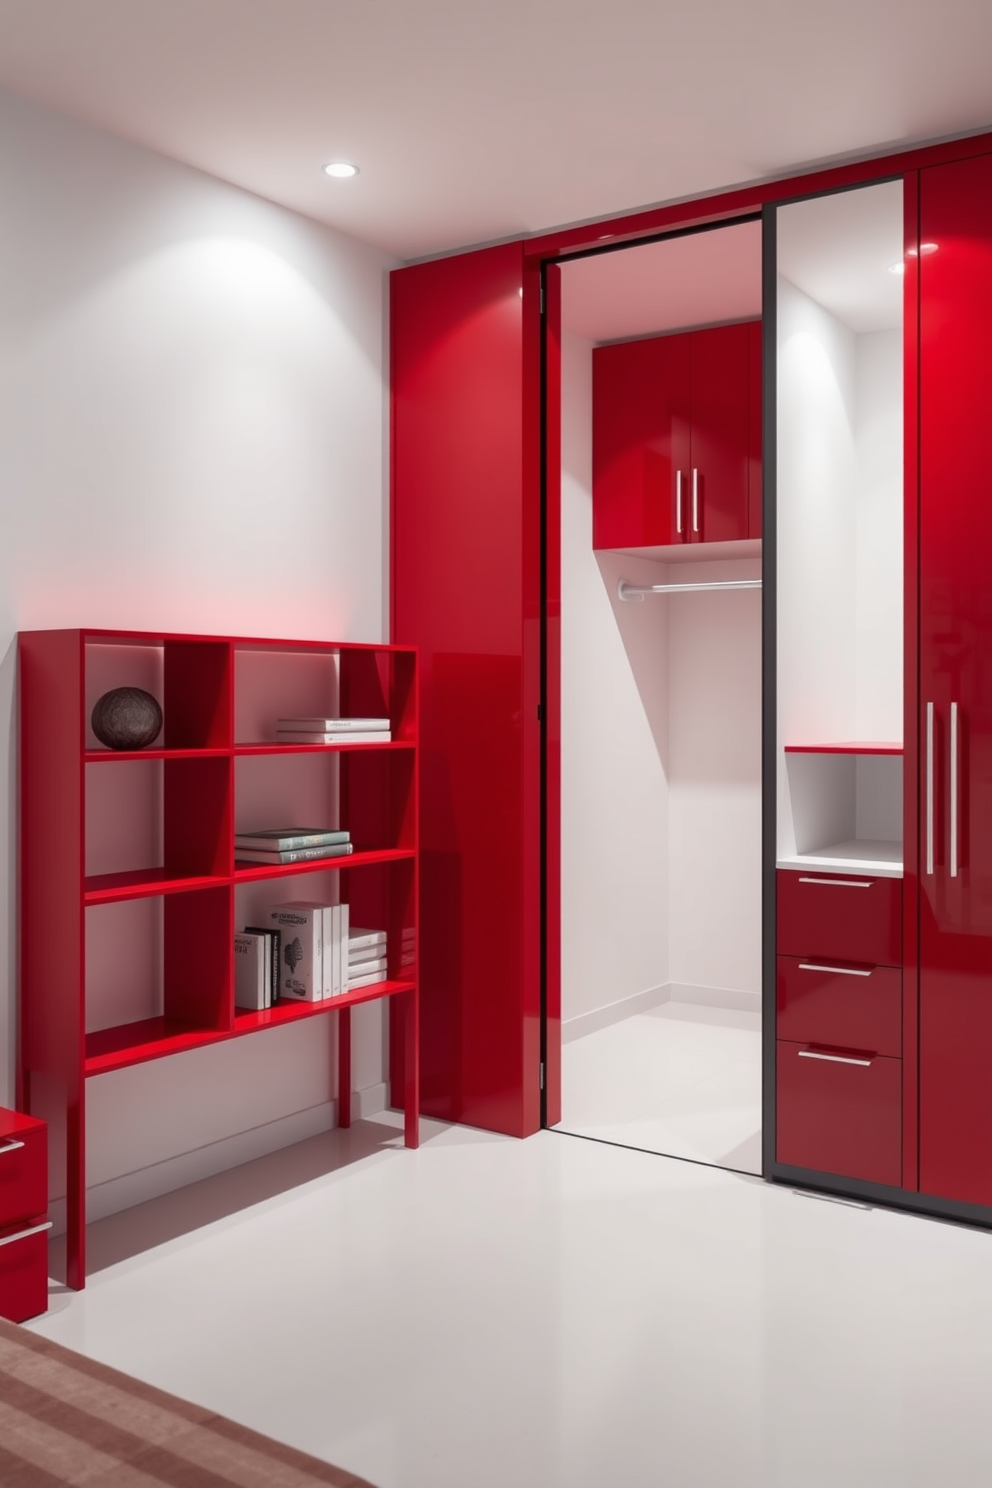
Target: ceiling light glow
(340, 169)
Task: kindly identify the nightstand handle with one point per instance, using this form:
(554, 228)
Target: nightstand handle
(10, 1146)
(23, 1234)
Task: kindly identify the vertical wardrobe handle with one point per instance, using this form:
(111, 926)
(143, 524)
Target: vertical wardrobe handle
(678, 501)
(695, 499)
(954, 790)
(929, 778)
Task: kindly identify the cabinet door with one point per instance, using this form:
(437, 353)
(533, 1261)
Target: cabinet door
(718, 504)
(754, 406)
(640, 443)
(955, 740)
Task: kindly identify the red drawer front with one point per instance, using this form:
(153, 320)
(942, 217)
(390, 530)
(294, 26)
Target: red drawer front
(23, 1173)
(853, 1007)
(840, 916)
(839, 1118)
(23, 1272)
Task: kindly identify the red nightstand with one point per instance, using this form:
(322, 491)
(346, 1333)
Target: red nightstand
(23, 1229)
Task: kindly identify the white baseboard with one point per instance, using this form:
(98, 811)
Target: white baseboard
(723, 997)
(614, 1012)
(104, 1199)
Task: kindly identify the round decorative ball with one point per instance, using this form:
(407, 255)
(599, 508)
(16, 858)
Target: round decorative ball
(126, 718)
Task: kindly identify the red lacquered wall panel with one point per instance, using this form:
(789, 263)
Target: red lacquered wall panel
(856, 1007)
(956, 682)
(841, 916)
(466, 579)
(640, 443)
(839, 1111)
(718, 502)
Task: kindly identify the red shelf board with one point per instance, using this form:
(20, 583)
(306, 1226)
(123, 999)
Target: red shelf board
(98, 636)
(319, 748)
(291, 1012)
(857, 746)
(143, 883)
(247, 871)
(94, 756)
(135, 1043)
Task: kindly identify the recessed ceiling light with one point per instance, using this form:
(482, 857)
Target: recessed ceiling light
(340, 169)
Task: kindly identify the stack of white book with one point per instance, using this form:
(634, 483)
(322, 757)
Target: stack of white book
(366, 958)
(279, 845)
(313, 956)
(333, 731)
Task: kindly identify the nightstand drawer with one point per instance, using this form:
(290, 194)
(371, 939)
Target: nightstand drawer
(24, 1270)
(856, 1007)
(840, 916)
(839, 1111)
(23, 1167)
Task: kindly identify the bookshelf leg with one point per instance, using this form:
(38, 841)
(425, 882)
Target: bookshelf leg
(344, 1067)
(411, 1041)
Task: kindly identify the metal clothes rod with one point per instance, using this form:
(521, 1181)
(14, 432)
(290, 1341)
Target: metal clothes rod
(628, 591)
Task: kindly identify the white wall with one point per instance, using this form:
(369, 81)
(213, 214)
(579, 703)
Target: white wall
(614, 732)
(193, 436)
(840, 555)
(661, 759)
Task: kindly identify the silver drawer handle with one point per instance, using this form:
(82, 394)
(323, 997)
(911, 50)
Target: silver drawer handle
(10, 1146)
(23, 1234)
(832, 1058)
(844, 883)
(838, 970)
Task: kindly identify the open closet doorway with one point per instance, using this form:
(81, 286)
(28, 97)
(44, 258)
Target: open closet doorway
(661, 688)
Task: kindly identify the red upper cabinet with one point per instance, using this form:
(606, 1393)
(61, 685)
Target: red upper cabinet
(955, 724)
(676, 438)
(640, 442)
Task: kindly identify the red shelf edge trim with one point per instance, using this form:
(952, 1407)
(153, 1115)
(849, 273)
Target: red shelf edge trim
(857, 746)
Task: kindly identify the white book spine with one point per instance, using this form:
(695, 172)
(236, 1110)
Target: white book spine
(302, 950)
(342, 947)
(360, 940)
(250, 958)
(362, 969)
(366, 981)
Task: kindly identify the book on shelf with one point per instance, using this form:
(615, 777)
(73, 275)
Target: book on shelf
(252, 971)
(358, 971)
(369, 980)
(333, 736)
(334, 930)
(296, 855)
(366, 943)
(274, 939)
(334, 725)
(289, 839)
(301, 973)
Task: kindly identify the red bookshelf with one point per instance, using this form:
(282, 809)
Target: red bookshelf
(857, 746)
(135, 849)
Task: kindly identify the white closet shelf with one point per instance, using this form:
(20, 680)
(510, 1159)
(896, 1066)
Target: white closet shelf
(856, 855)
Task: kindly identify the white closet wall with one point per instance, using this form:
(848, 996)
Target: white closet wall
(614, 728)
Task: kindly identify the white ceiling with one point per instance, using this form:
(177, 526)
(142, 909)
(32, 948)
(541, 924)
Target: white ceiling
(704, 278)
(475, 120)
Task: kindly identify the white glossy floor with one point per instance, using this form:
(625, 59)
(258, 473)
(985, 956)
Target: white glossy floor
(554, 1313)
(682, 1079)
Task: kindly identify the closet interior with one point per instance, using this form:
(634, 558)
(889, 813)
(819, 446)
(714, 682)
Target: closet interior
(661, 687)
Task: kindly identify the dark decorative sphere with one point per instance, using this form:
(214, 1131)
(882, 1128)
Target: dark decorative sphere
(126, 718)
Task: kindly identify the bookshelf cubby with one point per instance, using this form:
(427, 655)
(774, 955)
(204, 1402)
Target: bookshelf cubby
(130, 887)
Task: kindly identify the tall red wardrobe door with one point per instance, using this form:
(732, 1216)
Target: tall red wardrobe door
(955, 740)
(640, 443)
(718, 497)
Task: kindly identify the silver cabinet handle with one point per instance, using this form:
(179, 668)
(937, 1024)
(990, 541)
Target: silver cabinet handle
(929, 774)
(23, 1234)
(10, 1146)
(695, 499)
(834, 970)
(841, 883)
(833, 1058)
(954, 790)
(678, 501)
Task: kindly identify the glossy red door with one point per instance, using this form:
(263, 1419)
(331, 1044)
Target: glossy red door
(640, 443)
(955, 740)
(718, 495)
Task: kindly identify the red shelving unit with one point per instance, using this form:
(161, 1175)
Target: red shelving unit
(857, 746)
(131, 854)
